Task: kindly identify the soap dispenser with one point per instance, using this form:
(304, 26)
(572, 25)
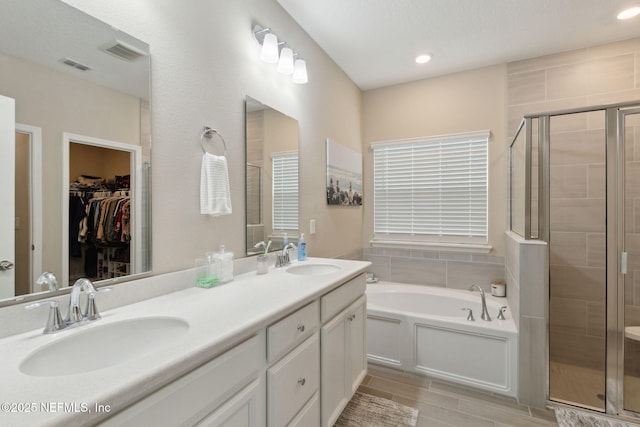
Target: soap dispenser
(302, 248)
(226, 264)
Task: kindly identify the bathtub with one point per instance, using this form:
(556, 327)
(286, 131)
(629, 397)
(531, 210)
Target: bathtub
(423, 330)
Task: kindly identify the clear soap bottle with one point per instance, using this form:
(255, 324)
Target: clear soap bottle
(226, 264)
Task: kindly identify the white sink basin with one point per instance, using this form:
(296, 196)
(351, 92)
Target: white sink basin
(103, 346)
(313, 269)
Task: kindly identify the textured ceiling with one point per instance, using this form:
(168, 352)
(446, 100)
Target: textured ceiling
(375, 41)
(45, 31)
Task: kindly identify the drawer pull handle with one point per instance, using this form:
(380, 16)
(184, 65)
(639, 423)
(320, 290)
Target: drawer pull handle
(353, 316)
(300, 328)
(302, 381)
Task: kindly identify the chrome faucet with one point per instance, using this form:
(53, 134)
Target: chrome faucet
(75, 315)
(283, 259)
(485, 312)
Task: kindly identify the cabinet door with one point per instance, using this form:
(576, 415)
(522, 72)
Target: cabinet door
(245, 409)
(357, 339)
(293, 381)
(333, 338)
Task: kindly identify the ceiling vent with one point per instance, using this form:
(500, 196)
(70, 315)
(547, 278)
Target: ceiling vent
(75, 64)
(123, 51)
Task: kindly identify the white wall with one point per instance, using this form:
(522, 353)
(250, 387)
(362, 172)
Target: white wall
(204, 62)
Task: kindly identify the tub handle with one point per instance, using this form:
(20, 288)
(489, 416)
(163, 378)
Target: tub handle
(501, 313)
(470, 315)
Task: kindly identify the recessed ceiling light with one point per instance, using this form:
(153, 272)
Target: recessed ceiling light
(423, 59)
(629, 13)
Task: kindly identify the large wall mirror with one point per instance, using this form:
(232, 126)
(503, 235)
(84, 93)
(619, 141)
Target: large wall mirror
(271, 176)
(82, 148)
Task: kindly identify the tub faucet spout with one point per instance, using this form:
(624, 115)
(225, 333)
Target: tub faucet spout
(485, 312)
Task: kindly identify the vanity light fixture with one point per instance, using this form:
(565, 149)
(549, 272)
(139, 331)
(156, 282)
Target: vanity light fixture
(628, 13)
(300, 72)
(285, 64)
(272, 51)
(269, 52)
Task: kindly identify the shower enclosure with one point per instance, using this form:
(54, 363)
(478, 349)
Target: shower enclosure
(575, 184)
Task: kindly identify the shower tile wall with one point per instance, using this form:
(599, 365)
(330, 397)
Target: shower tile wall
(444, 269)
(597, 75)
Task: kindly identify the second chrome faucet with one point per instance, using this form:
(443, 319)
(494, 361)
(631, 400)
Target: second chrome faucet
(485, 312)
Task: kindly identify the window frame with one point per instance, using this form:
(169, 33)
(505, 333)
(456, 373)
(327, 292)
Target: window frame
(446, 242)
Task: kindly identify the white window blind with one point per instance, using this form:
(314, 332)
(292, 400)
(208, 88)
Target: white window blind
(285, 191)
(432, 188)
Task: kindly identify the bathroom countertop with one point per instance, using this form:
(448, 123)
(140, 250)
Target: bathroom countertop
(218, 318)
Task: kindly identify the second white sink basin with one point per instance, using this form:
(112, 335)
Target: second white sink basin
(103, 346)
(313, 269)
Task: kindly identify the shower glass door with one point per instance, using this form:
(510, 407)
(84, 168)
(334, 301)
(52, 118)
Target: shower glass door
(577, 259)
(630, 302)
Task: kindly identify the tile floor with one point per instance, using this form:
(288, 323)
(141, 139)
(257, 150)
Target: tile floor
(443, 404)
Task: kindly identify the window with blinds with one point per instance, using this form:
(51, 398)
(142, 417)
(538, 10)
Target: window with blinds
(432, 189)
(284, 191)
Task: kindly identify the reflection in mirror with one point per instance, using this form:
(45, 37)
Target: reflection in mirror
(271, 176)
(71, 74)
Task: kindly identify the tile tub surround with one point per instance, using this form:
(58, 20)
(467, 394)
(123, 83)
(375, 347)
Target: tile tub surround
(219, 318)
(526, 270)
(443, 269)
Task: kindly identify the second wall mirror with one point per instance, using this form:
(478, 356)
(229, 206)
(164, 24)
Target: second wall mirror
(271, 176)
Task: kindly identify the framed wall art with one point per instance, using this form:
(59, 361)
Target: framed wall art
(344, 175)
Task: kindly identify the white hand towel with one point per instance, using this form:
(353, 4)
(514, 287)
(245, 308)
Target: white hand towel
(215, 196)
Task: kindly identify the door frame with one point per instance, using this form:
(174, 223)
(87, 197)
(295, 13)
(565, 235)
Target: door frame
(7, 165)
(35, 211)
(616, 246)
(136, 192)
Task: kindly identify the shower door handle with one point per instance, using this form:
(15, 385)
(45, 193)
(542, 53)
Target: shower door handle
(623, 262)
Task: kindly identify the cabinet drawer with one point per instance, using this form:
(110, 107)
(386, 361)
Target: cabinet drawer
(336, 300)
(292, 330)
(292, 381)
(309, 416)
(190, 398)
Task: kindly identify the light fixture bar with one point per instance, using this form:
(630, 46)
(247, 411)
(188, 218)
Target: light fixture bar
(274, 51)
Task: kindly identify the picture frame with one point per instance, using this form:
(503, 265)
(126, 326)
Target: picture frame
(344, 175)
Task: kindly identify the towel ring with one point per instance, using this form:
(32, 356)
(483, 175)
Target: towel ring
(208, 133)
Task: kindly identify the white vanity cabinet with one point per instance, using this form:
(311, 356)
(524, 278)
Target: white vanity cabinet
(227, 391)
(299, 371)
(293, 379)
(343, 347)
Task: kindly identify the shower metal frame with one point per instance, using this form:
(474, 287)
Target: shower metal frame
(615, 232)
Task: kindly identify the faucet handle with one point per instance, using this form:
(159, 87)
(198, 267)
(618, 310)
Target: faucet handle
(54, 322)
(470, 315)
(91, 311)
(501, 313)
